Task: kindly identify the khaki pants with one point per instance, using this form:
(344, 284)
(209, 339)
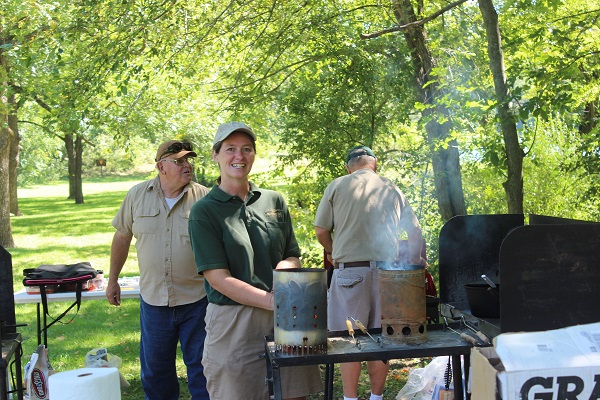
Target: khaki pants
(354, 292)
(233, 369)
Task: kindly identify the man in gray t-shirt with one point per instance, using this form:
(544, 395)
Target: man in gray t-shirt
(366, 213)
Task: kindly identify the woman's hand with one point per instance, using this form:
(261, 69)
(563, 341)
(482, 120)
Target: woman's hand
(289, 263)
(238, 290)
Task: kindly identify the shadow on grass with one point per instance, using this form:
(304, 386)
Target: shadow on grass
(53, 216)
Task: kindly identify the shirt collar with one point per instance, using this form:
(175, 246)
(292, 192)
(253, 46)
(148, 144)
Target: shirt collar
(223, 197)
(155, 185)
(364, 171)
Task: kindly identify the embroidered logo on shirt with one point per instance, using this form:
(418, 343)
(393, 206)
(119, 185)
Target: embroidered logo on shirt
(274, 213)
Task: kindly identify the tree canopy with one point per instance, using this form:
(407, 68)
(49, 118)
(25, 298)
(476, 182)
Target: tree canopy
(448, 95)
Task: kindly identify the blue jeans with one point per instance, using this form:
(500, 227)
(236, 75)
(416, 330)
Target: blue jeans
(161, 329)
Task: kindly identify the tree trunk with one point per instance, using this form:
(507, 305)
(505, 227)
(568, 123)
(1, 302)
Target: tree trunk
(6, 238)
(70, 148)
(74, 153)
(78, 170)
(444, 149)
(513, 187)
(589, 117)
(13, 162)
(446, 168)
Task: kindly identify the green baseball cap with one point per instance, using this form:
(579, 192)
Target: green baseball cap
(227, 129)
(359, 151)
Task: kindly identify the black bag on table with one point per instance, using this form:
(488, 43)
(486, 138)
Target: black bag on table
(58, 274)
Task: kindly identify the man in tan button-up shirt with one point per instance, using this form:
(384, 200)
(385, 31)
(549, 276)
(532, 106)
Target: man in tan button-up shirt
(173, 301)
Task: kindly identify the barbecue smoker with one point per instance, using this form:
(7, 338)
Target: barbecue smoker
(403, 304)
(546, 272)
(300, 309)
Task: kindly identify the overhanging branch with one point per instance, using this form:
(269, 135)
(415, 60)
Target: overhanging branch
(42, 103)
(411, 24)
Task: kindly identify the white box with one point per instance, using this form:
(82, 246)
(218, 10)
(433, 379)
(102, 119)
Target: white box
(562, 364)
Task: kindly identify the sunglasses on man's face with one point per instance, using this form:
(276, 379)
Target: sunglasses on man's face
(176, 148)
(180, 162)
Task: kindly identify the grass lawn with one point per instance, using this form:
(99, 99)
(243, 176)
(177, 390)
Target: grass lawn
(54, 230)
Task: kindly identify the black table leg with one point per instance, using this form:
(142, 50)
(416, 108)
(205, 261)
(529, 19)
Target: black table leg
(42, 330)
(329, 368)
(45, 328)
(278, 395)
(19, 389)
(457, 377)
(39, 324)
(3, 384)
(467, 368)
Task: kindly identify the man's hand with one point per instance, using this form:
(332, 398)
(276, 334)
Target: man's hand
(329, 257)
(113, 293)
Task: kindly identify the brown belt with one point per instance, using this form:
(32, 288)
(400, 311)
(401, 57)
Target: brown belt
(354, 264)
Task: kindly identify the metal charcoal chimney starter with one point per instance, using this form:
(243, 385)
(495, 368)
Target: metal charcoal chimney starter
(403, 304)
(300, 307)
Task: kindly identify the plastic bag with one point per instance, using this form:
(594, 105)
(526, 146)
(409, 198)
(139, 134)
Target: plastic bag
(428, 383)
(100, 358)
(37, 371)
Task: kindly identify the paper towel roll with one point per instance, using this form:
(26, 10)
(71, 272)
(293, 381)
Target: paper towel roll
(85, 383)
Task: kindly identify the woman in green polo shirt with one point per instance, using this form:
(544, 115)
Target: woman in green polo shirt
(240, 234)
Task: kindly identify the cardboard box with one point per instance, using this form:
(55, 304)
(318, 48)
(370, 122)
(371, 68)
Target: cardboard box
(563, 364)
(485, 365)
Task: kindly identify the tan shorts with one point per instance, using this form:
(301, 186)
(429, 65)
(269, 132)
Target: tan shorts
(235, 338)
(354, 292)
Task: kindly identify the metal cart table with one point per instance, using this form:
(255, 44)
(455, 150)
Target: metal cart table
(341, 348)
(11, 349)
